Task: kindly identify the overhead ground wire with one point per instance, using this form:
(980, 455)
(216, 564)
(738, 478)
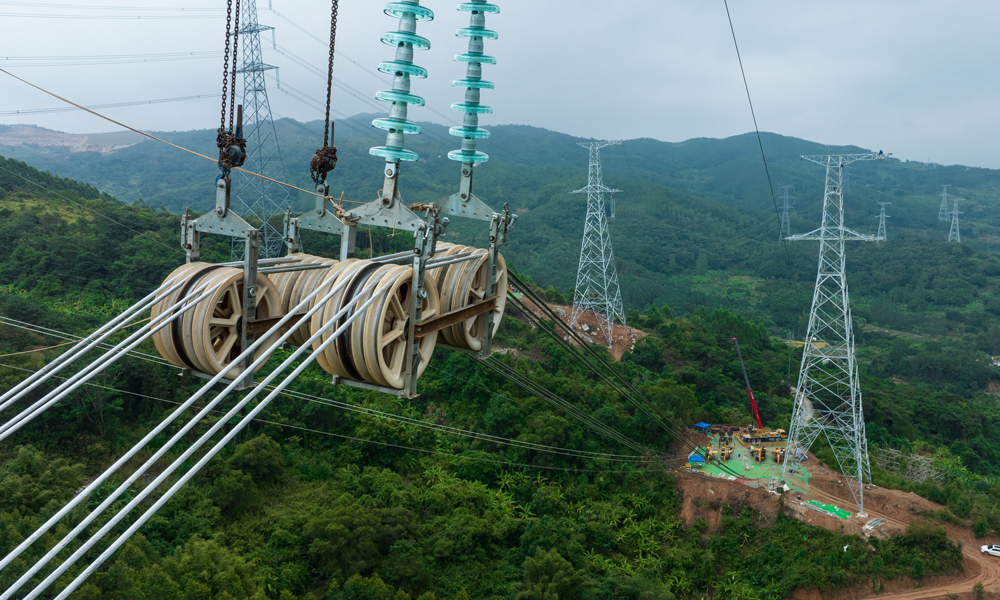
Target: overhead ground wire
(676, 430)
(585, 454)
(90, 210)
(508, 372)
(38, 329)
(100, 7)
(446, 429)
(38, 111)
(760, 144)
(171, 144)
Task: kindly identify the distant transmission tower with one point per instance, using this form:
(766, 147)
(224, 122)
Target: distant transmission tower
(880, 236)
(257, 200)
(786, 229)
(953, 234)
(943, 211)
(597, 277)
(828, 395)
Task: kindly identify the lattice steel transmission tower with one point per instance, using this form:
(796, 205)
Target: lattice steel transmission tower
(785, 207)
(597, 277)
(828, 395)
(953, 233)
(943, 211)
(257, 200)
(880, 236)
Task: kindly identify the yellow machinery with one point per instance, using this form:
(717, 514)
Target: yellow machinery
(759, 453)
(727, 452)
(778, 455)
(760, 436)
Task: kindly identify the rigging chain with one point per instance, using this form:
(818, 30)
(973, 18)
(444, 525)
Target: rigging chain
(232, 146)
(325, 159)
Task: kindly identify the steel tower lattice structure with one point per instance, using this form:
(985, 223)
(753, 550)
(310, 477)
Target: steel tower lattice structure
(257, 200)
(953, 234)
(785, 207)
(880, 236)
(597, 276)
(943, 211)
(828, 395)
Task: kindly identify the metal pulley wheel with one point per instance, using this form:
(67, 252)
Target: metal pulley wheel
(208, 337)
(374, 345)
(466, 283)
(386, 344)
(191, 274)
(293, 286)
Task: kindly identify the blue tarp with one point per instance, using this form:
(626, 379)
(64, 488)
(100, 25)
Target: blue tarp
(702, 425)
(696, 458)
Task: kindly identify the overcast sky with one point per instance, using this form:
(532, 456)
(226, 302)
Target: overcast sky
(913, 77)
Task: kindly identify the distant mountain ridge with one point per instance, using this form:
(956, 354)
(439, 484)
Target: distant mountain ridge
(689, 209)
(102, 143)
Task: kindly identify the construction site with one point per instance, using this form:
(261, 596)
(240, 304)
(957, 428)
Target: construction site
(439, 418)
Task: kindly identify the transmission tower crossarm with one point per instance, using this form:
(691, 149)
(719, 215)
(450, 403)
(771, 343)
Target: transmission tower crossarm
(849, 235)
(598, 188)
(844, 159)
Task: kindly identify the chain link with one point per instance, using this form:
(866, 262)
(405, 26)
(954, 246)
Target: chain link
(225, 68)
(329, 78)
(232, 91)
(325, 159)
(232, 147)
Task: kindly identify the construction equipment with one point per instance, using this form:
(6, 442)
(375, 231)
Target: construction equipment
(759, 453)
(726, 453)
(440, 291)
(746, 378)
(758, 435)
(778, 455)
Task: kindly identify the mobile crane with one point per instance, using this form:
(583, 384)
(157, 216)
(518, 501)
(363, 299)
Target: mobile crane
(758, 435)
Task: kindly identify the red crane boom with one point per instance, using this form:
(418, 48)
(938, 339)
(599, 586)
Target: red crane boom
(746, 378)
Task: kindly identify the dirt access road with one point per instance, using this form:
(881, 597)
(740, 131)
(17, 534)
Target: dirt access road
(898, 509)
(704, 495)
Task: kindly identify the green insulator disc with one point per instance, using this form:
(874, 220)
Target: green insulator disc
(391, 67)
(395, 38)
(390, 124)
(472, 109)
(399, 97)
(398, 9)
(486, 34)
(394, 153)
(480, 6)
(476, 58)
(470, 132)
(459, 156)
(473, 83)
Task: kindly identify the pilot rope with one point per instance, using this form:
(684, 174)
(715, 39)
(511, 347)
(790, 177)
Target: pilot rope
(325, 159)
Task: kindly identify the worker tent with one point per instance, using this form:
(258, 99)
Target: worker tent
(701, 425)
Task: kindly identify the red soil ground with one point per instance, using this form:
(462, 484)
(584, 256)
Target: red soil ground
(624, 336)
(703, 498)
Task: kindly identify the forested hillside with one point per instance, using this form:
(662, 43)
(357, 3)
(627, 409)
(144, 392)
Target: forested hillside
(330, 495)
(695, 226)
